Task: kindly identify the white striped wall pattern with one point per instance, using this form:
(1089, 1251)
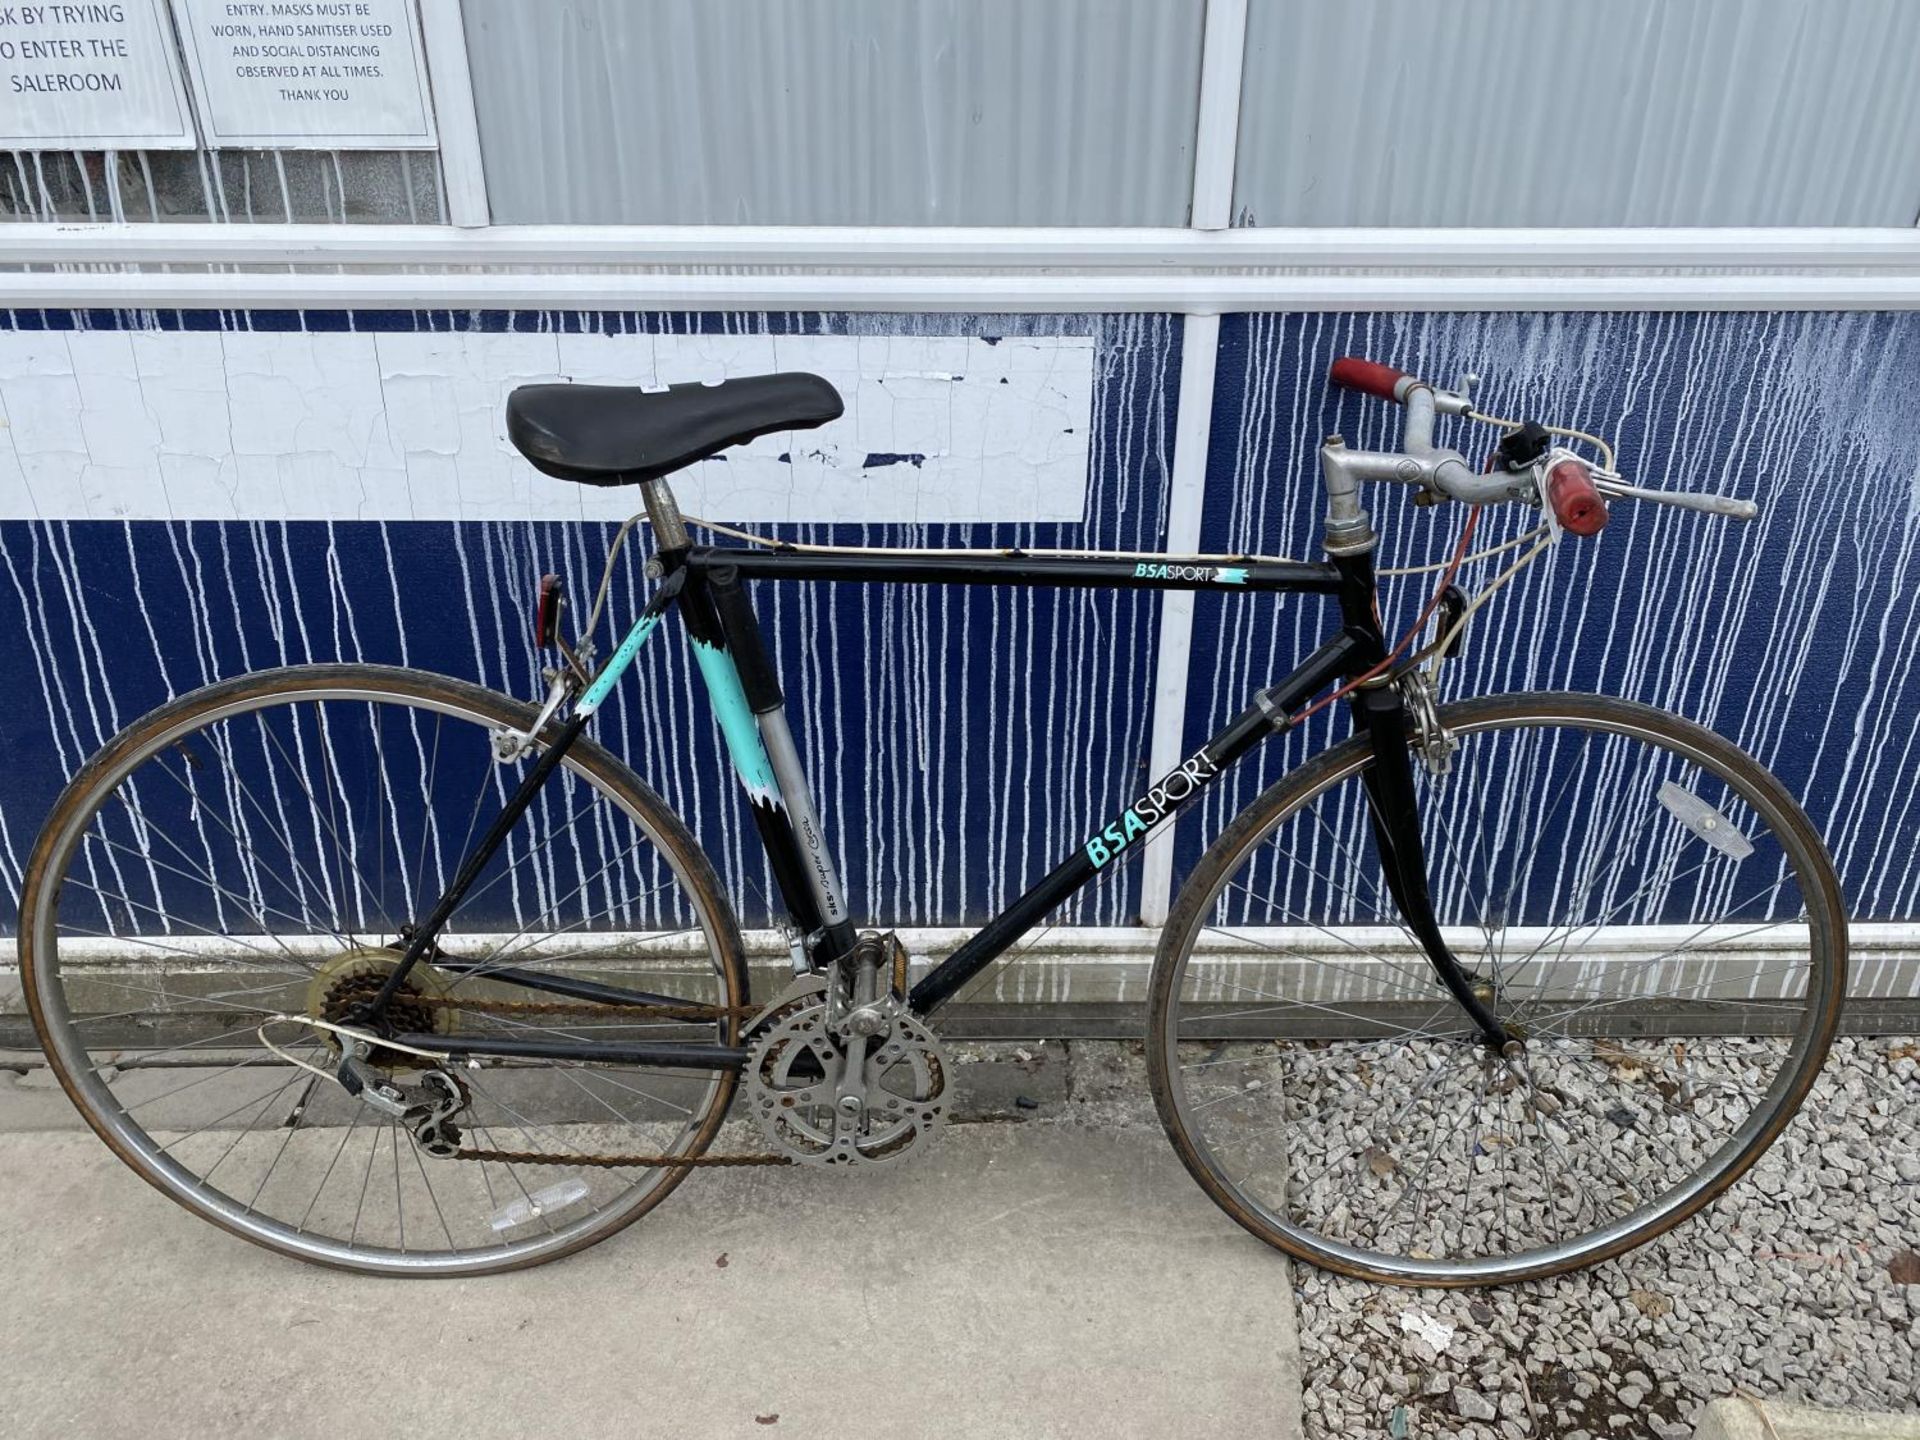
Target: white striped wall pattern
(940, 800)
(1797, 635)
(964, 740)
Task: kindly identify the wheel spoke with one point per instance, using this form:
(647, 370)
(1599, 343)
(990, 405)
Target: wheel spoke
(266, 869)
(1392, 1129)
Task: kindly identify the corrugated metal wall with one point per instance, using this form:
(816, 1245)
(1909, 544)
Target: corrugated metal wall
(1083, 112)
(1607, 112)
(858, 112)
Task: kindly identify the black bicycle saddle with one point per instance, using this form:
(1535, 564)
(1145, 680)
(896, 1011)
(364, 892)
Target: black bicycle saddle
(622, 434)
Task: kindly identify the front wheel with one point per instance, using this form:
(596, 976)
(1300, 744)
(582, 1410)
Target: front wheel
(1634, 897)
(255, 850)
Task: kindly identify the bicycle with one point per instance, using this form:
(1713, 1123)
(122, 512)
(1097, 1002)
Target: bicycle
(386, 971)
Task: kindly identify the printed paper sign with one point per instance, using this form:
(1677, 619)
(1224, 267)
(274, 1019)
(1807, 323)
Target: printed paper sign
(85, 76)
(308, 74)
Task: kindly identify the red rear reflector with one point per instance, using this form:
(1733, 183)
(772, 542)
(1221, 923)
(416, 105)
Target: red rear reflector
(546, 610)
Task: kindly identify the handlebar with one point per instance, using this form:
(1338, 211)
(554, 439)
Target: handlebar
(1369, 376)
(1574, 489)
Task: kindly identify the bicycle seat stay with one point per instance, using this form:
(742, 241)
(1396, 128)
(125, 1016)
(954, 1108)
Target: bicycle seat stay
(624, 434)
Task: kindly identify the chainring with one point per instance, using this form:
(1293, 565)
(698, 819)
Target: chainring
(792, 1075)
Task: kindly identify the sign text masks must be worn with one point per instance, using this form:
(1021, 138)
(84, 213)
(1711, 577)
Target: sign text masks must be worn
(309, 74)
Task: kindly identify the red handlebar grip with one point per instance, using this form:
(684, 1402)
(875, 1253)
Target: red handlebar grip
(1370, 376)
(1579, 506)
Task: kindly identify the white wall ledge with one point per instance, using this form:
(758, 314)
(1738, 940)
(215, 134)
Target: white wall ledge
(701, 267)
(955, 247)
(948, 291)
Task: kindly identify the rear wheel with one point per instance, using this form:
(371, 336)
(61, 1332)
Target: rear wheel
(254, 850)
(1640, 901)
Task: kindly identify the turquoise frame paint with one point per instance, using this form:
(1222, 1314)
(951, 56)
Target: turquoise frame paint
(730, 708)
(617, 664)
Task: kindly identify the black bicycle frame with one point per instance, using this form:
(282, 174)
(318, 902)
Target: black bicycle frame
(707, 586)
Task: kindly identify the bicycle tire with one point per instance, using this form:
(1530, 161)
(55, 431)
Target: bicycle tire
(1176, 1095)
(82, 1073)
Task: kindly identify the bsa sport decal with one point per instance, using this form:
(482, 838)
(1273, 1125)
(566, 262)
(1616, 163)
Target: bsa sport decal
(1151, 808)
(1219, 574)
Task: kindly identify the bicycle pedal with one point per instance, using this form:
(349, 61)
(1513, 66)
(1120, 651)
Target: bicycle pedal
(900, 961)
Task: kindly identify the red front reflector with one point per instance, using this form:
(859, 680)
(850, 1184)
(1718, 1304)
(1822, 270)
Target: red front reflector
(1578, 505)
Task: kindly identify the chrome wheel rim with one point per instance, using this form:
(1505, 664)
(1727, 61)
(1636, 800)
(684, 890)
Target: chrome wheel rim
(1386, 1167)
(425, 1236)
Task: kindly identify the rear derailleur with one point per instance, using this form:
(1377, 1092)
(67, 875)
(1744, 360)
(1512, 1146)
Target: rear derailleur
(425, 1107)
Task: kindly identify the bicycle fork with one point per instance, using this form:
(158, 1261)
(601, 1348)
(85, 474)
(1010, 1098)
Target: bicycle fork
(1394, 812)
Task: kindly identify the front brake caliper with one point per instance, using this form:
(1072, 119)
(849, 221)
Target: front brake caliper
(1432, 740)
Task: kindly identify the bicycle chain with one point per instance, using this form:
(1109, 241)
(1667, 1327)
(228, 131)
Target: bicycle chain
(588, 1007)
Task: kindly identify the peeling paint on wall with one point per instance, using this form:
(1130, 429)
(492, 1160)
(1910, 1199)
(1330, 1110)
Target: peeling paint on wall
(964, 740)
(171, 425)
(961, 740)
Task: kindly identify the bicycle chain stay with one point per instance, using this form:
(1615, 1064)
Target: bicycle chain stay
(591, 1008)
(587, 1007)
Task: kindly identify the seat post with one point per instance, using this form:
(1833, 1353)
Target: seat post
(663, 513)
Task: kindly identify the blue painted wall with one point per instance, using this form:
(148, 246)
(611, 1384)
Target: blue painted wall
(963, 740)
(968, 739)
(1798, 634)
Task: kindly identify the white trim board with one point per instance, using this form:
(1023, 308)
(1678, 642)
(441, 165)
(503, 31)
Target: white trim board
(1827, 250)
(1200, 353)
(955, 269)
(1223, 63)
(953, 292)
(463, 178)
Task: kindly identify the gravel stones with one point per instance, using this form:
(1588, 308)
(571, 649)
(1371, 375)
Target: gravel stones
(1785, 1287)
(1472, 1405)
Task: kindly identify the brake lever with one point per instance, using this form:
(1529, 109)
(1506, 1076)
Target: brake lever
(1612, 485)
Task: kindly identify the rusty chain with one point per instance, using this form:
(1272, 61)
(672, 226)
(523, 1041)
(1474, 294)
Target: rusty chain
(592, 1008)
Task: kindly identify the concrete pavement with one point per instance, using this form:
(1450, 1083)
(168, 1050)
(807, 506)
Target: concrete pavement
(1744, 1418)
(1059, 1277)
